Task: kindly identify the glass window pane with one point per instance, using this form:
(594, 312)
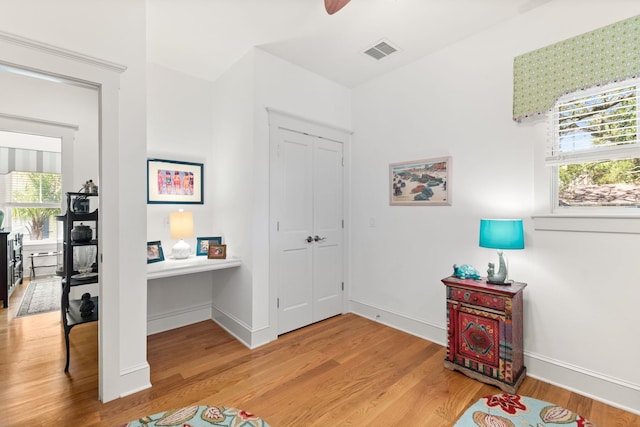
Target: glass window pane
(595, 184)
(35, 223)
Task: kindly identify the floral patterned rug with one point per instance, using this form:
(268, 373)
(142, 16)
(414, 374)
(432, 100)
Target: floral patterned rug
(199, 416)
(512, 410)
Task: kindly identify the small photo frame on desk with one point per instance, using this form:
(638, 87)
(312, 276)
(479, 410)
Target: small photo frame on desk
(217, 251)
(154, 252)
(202, 248)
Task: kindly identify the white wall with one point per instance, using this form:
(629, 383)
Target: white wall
(580, 305)
(289, 88)
(179, 128)
(232, 179)
(113, 31)
(242, 300)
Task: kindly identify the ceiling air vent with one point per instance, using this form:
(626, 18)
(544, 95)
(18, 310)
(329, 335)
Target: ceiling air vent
(380, 50)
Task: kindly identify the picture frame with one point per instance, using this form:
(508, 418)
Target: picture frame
(217, 251)
(174, 182)
(203, 243)
(425, 182)
(154, 252)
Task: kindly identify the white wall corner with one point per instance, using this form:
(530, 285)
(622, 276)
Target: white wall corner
(240, 330)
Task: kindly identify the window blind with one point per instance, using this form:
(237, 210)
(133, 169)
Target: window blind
(32, 189)
(596, 126)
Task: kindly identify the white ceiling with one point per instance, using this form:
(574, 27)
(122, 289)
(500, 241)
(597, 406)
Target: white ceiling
(203, 38)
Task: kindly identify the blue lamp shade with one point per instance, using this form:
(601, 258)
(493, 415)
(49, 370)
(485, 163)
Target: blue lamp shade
(501, 234)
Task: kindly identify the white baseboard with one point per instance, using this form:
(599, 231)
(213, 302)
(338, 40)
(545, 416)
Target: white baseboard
(131, 378)
(240, 330)
(600, 387)
(419, 328)
(178, 318)
(612, 391)
(188, 315)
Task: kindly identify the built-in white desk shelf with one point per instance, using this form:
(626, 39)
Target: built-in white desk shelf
(194, 264)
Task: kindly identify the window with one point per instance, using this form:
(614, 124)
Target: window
(594, 150)
(34, 200)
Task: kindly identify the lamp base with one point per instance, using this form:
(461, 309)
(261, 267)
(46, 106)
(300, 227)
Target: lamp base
(506, 283)
(181, 250)
(499, 278)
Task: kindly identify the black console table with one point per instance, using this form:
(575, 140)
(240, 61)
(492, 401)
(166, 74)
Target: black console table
(11, 265)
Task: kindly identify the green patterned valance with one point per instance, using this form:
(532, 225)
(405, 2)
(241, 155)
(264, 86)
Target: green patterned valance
(601, 56)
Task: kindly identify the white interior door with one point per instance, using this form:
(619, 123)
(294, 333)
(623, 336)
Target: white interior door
(295, 226)
(307, 249)
(327, 229)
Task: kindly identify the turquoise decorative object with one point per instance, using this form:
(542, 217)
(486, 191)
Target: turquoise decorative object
(465, 271)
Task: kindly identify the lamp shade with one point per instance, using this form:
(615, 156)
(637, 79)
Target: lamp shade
(501, 234)
(181, 224)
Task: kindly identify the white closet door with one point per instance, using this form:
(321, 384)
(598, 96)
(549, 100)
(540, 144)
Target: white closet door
(307, 251)
(327, 221)
(295, 219)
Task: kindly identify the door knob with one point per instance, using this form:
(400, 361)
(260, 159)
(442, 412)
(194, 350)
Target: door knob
(309, 239)
(319, 239)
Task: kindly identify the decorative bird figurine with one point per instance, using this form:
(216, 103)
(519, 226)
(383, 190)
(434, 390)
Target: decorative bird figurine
(86, 306)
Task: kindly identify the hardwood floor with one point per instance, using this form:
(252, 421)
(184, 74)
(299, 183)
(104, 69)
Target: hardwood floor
(345, 371)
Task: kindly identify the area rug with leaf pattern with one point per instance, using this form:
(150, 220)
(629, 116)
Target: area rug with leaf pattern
(200, 416)
(513, 410)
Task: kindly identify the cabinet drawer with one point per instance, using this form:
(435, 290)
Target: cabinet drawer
(495, 302)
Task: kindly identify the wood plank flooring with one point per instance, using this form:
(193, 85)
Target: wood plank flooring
(345, 371)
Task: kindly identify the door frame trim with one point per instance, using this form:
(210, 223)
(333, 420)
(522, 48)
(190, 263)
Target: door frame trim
(63, 66)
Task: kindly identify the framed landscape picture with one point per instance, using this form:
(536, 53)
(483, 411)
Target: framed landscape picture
(170, 181)
(202, 247)
(420, 182)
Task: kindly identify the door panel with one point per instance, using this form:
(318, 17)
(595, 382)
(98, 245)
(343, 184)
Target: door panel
(296, 295)
(307, 195)
(327, 290)
(295, 256)
(328, 218)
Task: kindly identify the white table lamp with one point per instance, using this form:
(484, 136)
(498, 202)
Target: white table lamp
(181, 224)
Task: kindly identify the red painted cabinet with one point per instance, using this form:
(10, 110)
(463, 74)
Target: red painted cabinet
(484, 331)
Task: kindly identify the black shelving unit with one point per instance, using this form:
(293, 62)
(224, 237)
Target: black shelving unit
(77, 214)
(10, 264)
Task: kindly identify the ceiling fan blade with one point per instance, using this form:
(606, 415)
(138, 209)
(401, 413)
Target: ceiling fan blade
(332, 6)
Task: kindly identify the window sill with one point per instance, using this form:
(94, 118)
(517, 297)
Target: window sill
(38, 243)
(626, 224)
